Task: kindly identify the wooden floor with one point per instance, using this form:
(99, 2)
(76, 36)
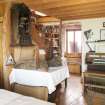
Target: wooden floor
(72, 95)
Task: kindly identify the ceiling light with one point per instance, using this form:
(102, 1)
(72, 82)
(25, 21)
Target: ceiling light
(40, 13)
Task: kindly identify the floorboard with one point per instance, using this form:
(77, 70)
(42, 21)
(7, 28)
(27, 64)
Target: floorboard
(72, 95)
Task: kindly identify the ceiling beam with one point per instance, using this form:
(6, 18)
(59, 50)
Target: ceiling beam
(47, 19)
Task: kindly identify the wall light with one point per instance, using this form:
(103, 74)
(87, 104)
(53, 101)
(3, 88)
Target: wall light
(10, 60)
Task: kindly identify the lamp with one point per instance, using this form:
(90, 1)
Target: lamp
(10, 60)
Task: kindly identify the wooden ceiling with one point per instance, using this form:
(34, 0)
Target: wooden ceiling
(68, 9)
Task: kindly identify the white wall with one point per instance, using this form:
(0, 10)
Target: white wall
(94, 24)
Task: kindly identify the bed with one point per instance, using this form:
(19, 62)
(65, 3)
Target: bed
(10, 98)
(36, 82)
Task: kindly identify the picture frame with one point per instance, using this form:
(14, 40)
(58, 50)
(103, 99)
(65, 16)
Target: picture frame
(102, 34)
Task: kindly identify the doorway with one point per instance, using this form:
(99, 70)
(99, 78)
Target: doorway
(74, 50)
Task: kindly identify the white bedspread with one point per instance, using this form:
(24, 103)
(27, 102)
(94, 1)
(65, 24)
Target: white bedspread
(38, 78)
(10, 98)
(59, 74)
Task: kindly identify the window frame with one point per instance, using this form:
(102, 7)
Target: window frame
(74, 30)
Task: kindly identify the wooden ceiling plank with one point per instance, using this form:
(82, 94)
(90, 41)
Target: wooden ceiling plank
(35, 2)
(76, 7)
(86, 11)
(82, 17)
(61, 3)
(99, 15)
(65, 9)
(38, 2)
(84, 14)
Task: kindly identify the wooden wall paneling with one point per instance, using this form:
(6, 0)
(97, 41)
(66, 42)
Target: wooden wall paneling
(6, 44)
(1, 53)
(2, 9)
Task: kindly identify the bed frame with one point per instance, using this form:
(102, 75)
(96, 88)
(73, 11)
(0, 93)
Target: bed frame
(39, 92)
(34, 91)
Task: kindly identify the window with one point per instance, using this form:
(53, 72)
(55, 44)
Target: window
(73, 41)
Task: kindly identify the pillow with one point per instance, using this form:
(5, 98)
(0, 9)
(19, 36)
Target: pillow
(28, 65)
(55, 62)
(23, 53)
